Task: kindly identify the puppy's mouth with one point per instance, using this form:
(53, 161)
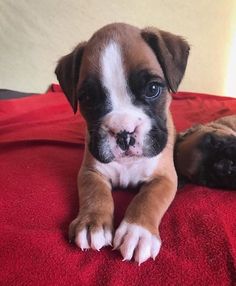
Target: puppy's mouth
(107, 147)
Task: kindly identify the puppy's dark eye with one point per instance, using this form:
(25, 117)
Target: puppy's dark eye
(153, 90)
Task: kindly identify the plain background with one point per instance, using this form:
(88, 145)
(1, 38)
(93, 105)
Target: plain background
(35, 34)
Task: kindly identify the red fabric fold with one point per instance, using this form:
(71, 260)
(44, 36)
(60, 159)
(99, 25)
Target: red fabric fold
(41, 149)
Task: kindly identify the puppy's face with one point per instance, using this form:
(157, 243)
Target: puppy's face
(121, 78)
(123, 100)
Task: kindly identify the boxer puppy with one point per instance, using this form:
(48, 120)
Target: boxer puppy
(122, 78)
(206, 154)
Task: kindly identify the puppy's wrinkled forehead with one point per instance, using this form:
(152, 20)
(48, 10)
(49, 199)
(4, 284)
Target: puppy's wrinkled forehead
(116, 51)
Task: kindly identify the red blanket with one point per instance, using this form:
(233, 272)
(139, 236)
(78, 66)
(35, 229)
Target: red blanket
(41, 148)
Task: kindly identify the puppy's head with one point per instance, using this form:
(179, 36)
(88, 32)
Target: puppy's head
(121, 79)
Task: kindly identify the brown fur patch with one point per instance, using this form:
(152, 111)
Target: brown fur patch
(96, 204)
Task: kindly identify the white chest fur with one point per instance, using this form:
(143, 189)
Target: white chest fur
(129, 171)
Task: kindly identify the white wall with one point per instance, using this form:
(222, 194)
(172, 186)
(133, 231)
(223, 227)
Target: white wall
(34, 34)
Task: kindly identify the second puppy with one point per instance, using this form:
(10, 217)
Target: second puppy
(206, 154)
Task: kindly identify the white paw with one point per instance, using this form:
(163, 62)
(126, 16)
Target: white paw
(135, 241)
(91, 232)
(95, 240)
(89, 236)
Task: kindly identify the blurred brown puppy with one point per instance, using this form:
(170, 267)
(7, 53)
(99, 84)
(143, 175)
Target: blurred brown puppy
(206, 154)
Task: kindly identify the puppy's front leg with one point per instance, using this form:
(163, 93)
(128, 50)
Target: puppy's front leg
(138, 234)
(93, 226)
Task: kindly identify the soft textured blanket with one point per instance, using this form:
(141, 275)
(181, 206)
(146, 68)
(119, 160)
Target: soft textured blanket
(41, 148)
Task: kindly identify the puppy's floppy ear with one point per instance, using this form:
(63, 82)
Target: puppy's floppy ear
(172, 53)
(67, 72)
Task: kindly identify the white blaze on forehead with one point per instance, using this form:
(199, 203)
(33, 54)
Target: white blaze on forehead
(125, 115)
(113, 75)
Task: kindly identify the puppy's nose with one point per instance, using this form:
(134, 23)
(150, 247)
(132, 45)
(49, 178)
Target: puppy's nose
(125, 139)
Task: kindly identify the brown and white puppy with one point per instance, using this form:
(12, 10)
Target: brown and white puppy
(206, 154)
(121, 79)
